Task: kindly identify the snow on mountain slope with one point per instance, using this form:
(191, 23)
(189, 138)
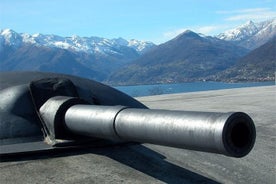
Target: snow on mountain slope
(239, 33)
(251, 35)
(74, 43)
(10, 37)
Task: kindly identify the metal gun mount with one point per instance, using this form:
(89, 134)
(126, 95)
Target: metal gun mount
(41, 111)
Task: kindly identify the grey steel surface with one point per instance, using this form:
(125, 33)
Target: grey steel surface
(202, 131)
(22, 95)
(93, 120)
(158, 164)
(231, 134)
(88, 90)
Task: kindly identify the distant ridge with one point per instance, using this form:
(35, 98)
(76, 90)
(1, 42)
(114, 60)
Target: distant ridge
(187, 57)
(92, 57)
(251, 35)
(75, 43)
(258, 65)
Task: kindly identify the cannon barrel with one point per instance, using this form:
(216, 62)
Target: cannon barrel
(231, 134)
(45, 111)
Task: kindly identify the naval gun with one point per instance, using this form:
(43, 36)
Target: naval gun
(46, 111)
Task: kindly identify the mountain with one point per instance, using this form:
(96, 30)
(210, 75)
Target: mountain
(31, 58)
(91, 57)
(75, 43)
(188, 57)
(251, 35)
(258, 65)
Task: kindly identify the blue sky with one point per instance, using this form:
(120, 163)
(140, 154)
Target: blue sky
(152, 20)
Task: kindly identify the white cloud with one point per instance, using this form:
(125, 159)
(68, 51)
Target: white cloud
(255, 14)
(249, 10)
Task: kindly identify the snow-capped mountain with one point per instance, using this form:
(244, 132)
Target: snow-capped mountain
(189, 56)
(251, 35)
(91, 57)
(89, 45)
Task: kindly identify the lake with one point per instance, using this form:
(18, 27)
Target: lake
(158, 89)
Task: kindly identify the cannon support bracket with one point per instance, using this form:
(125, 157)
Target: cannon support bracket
(52, 113)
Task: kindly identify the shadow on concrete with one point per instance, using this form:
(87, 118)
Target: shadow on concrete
(135, 156)
(154, 164)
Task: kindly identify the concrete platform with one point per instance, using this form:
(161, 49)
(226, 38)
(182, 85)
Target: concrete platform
(259, 102)
(148, 163)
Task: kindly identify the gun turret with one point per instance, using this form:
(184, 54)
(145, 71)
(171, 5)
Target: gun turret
(74, 111)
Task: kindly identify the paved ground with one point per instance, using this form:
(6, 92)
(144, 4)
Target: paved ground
(260, 103)
(148, 163)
